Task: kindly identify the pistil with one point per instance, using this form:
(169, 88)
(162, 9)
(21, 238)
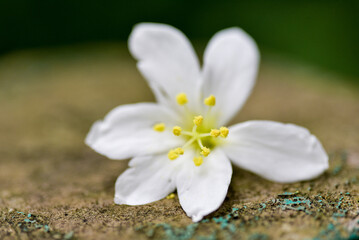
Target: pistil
(195, 135)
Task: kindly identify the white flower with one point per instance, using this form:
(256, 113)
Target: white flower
(181, 141)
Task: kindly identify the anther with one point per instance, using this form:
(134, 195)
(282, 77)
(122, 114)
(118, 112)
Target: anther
(205, 151)
(179, 151)
(177, 130)
(198, 161)
(210, 101)
(198, 120)
(171, 196)
(224, 131)
(172, 154)
(159, 127)
(181, 98)
(215, 132)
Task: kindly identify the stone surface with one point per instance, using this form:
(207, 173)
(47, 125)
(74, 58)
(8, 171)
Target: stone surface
(54, 187)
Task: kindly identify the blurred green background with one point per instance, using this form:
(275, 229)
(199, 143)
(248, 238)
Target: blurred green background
(324, 34)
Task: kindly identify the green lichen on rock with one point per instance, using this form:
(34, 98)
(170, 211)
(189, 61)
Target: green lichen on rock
(28, 225)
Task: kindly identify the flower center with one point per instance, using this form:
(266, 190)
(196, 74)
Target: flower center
(202, 137)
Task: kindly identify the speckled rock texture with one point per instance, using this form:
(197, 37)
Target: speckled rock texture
(52, 186)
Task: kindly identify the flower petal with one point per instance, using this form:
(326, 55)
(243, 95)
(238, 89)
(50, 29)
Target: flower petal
(127, 131)
(167, 60)
(202, 189)
(230, 67)
(148, 179)
(276, 151)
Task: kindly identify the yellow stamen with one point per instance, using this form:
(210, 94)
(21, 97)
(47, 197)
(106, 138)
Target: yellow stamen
(210, 101)
(172, 154)
(159, 127)
(171, 196)
(198, 161)
(215, 133)
(179, 151)
(199, 141)
(181, 99)
(198, 120)
(205, 151)
(177, 130)
(224, 131)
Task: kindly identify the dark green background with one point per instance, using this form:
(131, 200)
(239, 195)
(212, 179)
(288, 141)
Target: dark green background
(322, 33)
